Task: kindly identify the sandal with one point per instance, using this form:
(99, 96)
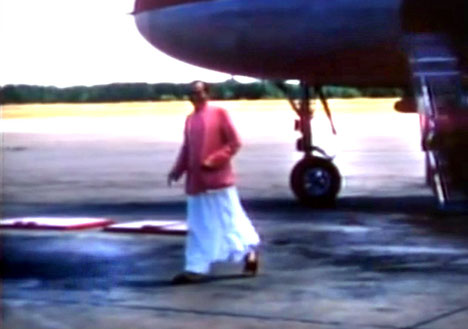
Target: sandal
(251, 263)
(188, 278)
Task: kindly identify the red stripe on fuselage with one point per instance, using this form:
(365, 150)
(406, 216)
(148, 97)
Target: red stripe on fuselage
(144, 5)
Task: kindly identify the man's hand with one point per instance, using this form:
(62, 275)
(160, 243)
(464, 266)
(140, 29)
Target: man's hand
(172, 177)
(207, 164)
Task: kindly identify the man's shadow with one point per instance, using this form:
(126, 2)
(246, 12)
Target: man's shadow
(168, 282)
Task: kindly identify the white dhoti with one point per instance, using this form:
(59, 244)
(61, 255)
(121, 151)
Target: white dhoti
(219, 230)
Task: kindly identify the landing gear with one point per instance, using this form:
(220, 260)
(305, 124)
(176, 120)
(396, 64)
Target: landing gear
(314, 180)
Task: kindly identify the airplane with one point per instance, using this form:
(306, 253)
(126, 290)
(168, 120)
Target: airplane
(418, 45)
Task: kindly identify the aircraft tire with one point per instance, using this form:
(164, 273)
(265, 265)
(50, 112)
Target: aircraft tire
(315, 181)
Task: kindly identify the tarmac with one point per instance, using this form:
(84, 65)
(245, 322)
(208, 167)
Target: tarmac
(384, 257)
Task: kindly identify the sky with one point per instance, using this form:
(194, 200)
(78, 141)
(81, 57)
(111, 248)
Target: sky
(82, 42)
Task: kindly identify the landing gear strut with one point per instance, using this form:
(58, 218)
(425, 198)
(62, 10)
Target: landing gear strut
(314, 180)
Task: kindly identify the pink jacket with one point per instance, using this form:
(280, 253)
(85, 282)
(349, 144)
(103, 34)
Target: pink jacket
(210, 141)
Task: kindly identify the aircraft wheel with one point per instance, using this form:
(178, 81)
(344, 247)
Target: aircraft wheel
(315, 181)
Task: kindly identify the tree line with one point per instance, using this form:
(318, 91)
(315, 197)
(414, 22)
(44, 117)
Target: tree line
(121, 92)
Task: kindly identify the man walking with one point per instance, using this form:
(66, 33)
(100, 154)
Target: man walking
(219, 229)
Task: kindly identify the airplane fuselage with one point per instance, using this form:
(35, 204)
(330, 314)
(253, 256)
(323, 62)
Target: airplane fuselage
(415, 44)
(329, 42)
(346, 42)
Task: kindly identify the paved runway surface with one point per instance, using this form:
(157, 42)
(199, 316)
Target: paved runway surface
(384, 257)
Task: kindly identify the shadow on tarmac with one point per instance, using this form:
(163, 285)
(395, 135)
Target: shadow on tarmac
(168, 283)
(415, 205)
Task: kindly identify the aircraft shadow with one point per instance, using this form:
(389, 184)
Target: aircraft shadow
(369, 204)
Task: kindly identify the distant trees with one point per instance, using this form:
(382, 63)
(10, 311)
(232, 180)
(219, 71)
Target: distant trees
(120, 92)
